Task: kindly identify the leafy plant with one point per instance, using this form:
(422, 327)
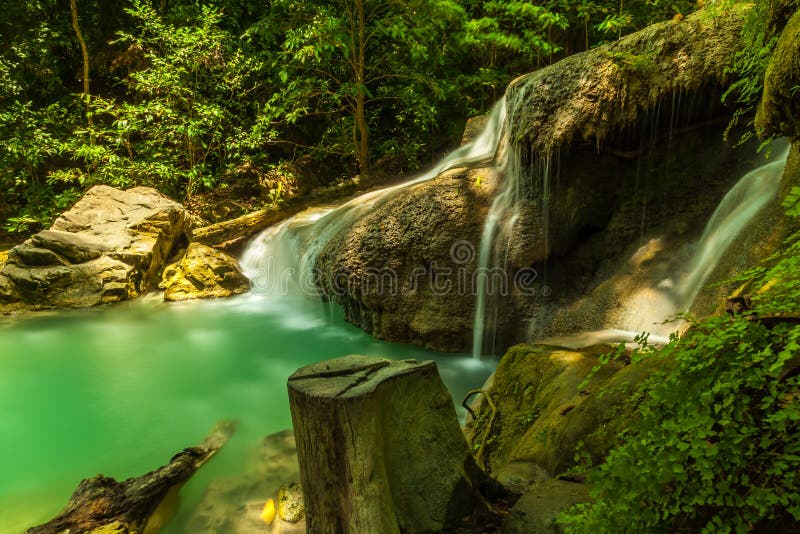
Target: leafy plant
(749, 66)
(716, 442)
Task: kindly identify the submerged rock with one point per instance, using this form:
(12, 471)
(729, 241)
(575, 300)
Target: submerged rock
(234, 505)
(203, 272)
(291, 505)
(110, 246)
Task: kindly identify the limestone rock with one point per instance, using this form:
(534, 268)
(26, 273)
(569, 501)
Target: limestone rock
(404, 271)
(518, 476)
(291, 506)
(110, 246)
(544, 411)
(473, 128)
(536, 511)
(594, 93)
(203, 272)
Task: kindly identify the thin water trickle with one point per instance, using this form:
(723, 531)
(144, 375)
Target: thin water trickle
(502, 216)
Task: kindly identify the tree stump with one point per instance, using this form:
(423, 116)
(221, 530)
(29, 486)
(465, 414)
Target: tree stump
(381, 450)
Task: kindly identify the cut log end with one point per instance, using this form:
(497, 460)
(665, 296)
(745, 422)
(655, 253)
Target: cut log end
(381, 450)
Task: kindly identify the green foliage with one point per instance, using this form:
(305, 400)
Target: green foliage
(750, 65)
(181, 124)
(185, 94)
(792, 202)
(716, 443)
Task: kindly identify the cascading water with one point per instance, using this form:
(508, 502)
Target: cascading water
(649, 308)
(504, 213)
(282, 258)
(502, 216)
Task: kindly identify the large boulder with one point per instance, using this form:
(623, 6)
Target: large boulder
(594, 94)
(404, 270)
(110, 246)
(544, 411)
(203, 272)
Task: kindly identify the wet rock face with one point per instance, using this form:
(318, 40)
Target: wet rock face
(203, 272)
(404, 271)
(110, 246)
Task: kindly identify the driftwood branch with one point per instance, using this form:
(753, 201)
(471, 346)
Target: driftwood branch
(130, 506)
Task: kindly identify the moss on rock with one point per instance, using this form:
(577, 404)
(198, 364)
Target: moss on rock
(779, 110)
(594, 93)
(546, 413)
(203, 272)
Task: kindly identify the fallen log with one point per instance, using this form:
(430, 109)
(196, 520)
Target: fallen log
(381, 450)
(101, 504)
(231, 235)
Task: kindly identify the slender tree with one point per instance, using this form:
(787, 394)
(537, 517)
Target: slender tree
(73, 5)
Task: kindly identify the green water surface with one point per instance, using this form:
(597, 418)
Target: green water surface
(118, 390)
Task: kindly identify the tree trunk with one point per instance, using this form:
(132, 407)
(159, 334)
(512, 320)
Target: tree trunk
(103, 504)
(381, 450)
(362, 131)
(73, 6)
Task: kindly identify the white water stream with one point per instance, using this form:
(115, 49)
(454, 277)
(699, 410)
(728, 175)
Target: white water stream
(649, 308)
(282, 258)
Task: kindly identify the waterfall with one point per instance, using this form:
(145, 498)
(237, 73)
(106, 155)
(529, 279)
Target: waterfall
(282, 258)
(502, 216)
(734, 213)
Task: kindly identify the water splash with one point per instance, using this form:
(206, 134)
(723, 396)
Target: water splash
(283, 257)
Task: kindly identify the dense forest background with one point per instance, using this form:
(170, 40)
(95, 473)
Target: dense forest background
(256, 97)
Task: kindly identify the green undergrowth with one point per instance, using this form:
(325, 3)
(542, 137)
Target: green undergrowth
(715, 442)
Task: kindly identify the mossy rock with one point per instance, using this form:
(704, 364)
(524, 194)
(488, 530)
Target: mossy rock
(536, 511)
(779, 110)
(601, 91)
(545, 410)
